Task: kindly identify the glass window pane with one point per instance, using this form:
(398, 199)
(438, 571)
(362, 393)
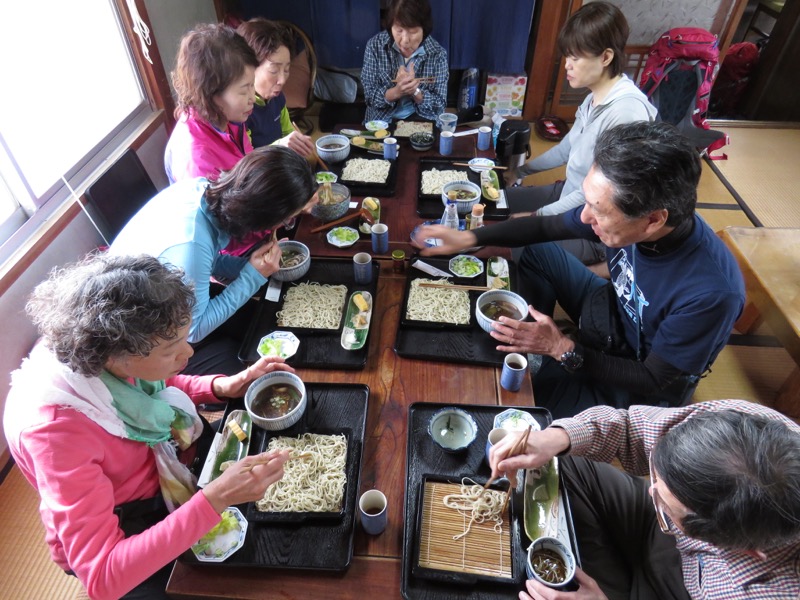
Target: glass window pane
(73, 84)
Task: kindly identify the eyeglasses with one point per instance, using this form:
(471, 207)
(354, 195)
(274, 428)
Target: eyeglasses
(661, 516)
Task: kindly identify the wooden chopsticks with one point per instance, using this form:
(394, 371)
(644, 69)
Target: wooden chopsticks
(421, 79)
(264, 461)
(487, 167)
(517, 448)
(361, 213)
(476, 288)
(316, 156)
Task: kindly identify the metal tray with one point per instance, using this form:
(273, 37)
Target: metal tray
(317, 545)
(429, 206)
(471, 345)
(319, 348)
(362, 188)
(423, 457)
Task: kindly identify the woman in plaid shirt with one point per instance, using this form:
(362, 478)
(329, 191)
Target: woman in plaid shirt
(405, 70)
(722, 520)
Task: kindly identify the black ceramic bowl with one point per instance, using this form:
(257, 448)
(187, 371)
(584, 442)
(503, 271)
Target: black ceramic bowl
(421, 140)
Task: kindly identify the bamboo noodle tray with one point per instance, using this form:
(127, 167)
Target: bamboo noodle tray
(483, 552)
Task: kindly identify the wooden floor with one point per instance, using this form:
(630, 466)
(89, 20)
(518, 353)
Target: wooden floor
(750, 367)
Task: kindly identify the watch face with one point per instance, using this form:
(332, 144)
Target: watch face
(572, 360)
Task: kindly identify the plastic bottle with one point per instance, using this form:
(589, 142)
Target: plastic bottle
(476, 219)
(450, 216)
(468, 89)
(497, 120)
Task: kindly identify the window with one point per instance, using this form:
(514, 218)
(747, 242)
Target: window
(71, 87)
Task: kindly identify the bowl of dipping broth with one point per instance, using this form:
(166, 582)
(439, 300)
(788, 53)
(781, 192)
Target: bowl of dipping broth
(333, 148)
(452, 429)
(295, 261)
(332, 204)
(550, 562)
(492, 305)
(465, 193)
(276, 400)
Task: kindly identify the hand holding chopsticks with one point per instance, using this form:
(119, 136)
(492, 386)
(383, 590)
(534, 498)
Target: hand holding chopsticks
(320, 162)
(518, 448)
(263, 460)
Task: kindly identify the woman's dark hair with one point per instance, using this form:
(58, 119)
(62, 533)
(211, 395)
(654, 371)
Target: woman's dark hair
(210, 58)
(410, 13)
(265, 37)
(738, 474)
(109, 306)
(651, 167)
(592, 29)
(266, 187)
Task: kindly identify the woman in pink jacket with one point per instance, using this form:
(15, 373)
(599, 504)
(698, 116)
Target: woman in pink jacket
(214, 80)
(95, 413)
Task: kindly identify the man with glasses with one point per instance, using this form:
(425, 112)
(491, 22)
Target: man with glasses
(718, 518)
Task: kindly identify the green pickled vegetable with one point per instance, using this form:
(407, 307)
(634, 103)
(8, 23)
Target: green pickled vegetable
(340, 234)
(206, 543)
(464, 266)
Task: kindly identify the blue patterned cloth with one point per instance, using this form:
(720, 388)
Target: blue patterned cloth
(381, 62)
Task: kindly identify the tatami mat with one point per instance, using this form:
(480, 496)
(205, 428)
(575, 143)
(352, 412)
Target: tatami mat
(762, 169)
(748, 372)
(27, 571)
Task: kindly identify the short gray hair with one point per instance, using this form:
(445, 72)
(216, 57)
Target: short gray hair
(109, 306)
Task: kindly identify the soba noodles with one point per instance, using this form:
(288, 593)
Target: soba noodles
(434, 179)
(478, 504)
(313, 306)
(437, 305)
(312, 483)
(365, 169)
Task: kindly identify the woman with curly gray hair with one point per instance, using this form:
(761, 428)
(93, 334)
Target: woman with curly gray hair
(100, 422)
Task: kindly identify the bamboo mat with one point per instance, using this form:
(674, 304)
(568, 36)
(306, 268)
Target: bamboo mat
(483, 551)
(762, 169)
(25, 564)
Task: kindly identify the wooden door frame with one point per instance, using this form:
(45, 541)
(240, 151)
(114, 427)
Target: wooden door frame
(547, 65)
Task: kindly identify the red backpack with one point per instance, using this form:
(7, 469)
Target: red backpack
(677, 78)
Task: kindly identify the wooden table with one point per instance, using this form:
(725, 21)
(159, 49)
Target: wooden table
(770, 262)
(399, 211)
(395, 383)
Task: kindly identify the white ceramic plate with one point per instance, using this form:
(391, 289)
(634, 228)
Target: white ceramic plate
(226, 543)
(476, 163)
(376, 125)
(282, 344)
(342, 243)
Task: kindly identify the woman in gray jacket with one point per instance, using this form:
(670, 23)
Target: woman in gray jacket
(593, 42)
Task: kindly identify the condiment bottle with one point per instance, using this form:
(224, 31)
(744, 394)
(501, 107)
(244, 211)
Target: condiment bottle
(476, 219)
(450, 217)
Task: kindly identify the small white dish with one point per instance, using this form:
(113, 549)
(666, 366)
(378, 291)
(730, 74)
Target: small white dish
(478, 165)
(463, 259)
(516, 420)
(452, 429)
(222, 545)
(282, 344)
(376, 125)
(342, 237)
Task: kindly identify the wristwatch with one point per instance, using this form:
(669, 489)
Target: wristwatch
(572, 360)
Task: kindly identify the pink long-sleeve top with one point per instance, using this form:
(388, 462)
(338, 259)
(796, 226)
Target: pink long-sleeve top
(81, 473)
(198, 149)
